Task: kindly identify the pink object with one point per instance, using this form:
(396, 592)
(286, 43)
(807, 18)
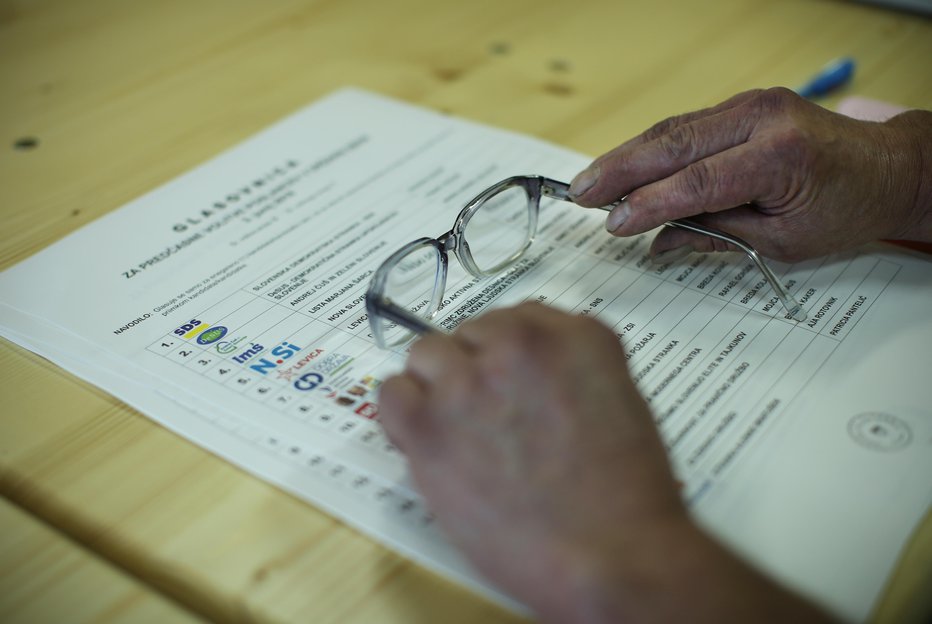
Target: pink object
(868, 109)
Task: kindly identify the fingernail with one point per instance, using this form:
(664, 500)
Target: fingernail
(617, 217)
(583, 181)
(672, 255)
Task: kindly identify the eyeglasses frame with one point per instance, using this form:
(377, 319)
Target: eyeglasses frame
(535, 187)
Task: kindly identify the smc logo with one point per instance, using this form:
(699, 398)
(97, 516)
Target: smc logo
(281, 353)
(226, 347)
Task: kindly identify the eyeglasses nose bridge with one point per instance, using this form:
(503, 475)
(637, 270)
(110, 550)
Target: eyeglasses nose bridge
(448, 241)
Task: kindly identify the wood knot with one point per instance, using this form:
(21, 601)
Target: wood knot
(448, 74)
(558, 88)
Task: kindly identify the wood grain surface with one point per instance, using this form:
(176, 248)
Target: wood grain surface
(102, 101)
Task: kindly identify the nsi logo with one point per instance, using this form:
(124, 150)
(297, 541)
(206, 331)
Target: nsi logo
(282, 352)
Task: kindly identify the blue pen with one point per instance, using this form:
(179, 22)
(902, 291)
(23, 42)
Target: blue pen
(832, 76)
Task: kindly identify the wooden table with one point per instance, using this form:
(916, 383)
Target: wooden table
(108, 516)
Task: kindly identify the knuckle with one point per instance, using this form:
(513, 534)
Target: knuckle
(524, 347)
(723, 246)
(434, 363)
(697, 179)
(661, 128)
(523, 338)
(793, 146)
(750, 94)
(679, 143)
(700, 243)
(775, 99)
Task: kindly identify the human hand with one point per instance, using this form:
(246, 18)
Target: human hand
(537, 455)
(793, 179)
(534, 450)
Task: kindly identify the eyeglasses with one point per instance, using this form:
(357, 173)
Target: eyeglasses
(490, 234)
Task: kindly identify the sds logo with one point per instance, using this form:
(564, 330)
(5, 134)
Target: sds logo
(204, 332)
(281, 353)
(188, 329)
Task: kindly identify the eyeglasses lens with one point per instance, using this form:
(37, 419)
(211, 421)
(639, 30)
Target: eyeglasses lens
(499, 231)
(412, 284)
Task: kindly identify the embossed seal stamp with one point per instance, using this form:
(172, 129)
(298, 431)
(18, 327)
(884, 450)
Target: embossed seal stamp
(879, 431)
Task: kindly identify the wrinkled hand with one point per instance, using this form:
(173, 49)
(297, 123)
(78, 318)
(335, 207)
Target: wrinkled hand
(793, 179)
(532, 446)
(537, 455)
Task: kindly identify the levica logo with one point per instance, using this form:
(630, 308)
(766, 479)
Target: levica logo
(281, 353)
(211, 335)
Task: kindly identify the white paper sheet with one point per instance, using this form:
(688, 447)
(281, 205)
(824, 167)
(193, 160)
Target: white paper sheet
(805, 446)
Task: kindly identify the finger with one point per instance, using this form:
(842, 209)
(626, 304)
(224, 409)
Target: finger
(435, 358)
(663, 127)
(663, 150)
(667, 155)
(448, 369)
(436, 372)
(402, 413)
(503, 325)
(674, 244)
(740, 175)
(525, 341)
(511, 346)
(770, 235)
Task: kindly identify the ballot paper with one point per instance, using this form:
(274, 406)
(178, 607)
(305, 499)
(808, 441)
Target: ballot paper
(228, 305)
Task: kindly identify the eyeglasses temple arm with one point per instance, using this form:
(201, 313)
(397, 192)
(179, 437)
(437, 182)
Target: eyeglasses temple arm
(555, 189)
(560, 190)
(793, 309)
(403, 317)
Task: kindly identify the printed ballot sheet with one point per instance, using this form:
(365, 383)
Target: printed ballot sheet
(228, 305)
